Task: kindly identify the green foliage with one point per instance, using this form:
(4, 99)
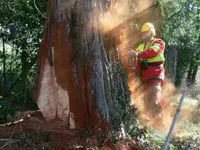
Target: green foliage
(6, 111)
(180, 31)
(155, 139)
(138, 132)
(187, 142)
(21, 28)
(123, 117)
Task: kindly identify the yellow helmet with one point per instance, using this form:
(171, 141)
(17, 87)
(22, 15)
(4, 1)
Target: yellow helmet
(147, 27)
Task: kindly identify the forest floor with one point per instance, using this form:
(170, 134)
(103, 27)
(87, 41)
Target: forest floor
(33, 133)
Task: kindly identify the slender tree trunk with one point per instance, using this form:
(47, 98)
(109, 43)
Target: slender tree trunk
(190, 72)
(24, 73)
(171, 63)
(4, 87)
(193, 69)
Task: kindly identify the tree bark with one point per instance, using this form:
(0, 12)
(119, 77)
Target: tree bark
(73, 77)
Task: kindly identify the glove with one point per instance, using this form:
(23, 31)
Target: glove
(144, 64)
(135, 53)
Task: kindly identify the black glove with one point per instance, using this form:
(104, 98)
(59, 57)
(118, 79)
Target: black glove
(144, 64)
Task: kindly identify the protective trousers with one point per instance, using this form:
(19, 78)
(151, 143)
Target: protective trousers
(152, 98)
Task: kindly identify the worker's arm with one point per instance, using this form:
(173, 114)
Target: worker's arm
(154, 50)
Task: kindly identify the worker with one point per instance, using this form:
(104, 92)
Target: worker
(150, 67)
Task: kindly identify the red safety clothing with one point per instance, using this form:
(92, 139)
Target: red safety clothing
(154, 58)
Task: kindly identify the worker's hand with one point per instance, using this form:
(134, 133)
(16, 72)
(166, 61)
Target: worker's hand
(137, 54)
(134, 52)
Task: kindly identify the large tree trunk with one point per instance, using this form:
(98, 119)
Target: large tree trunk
(73, 80)
(76, 80)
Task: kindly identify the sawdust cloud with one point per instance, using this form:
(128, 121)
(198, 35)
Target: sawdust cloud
(119, 13)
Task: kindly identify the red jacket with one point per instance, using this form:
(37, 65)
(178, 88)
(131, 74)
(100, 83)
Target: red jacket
(151, 72)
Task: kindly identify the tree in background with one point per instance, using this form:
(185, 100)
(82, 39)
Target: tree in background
(180, 30)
